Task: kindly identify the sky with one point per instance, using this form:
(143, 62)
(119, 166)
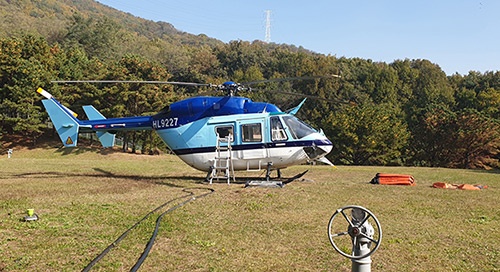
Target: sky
(458, 35)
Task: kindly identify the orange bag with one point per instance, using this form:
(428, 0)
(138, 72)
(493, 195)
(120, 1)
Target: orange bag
(444, 185)
(467, 187)
(393, 179)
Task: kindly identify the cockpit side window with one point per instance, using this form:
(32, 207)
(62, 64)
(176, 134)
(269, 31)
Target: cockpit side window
(297, 128)
(277, 130)
(224, 132)
(251, 132)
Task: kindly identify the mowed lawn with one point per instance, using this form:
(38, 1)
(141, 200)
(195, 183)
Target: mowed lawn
(86, 198)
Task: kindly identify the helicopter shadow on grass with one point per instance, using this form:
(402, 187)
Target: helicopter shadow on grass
(158, 180)
(195, 179)
(100, 173)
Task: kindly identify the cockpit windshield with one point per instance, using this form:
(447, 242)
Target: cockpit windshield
(298, 129)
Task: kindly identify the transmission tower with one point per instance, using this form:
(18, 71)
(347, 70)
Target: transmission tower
(268, 26)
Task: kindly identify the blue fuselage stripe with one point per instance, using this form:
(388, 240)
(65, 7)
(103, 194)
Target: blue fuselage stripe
(188, 151)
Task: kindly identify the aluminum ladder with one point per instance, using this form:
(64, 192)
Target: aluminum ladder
(223, 162)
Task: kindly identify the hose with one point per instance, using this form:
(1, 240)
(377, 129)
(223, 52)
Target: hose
(150, 243)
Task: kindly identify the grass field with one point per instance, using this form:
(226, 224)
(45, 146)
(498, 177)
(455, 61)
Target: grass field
(87, 198)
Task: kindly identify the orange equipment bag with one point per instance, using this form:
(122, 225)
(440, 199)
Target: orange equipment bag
(445, 185)
(393, 179)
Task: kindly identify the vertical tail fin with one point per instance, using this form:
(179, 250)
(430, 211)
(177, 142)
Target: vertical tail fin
(64, 120)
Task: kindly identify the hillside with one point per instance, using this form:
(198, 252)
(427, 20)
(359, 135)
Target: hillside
(51, 18)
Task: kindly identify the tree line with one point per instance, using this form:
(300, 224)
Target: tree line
(408, 112)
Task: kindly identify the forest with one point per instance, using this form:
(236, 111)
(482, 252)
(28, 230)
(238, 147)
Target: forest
(407, 112)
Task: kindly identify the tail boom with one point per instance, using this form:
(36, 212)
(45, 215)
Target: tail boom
(68, 126)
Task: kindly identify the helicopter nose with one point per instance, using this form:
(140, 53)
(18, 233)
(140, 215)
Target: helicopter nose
(326, 143)
(327, 148)
(319, 149)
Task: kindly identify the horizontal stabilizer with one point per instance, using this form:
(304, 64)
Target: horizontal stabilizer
(107, 139)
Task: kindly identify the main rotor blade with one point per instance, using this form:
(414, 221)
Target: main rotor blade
(131, 81)
(314, 97)
(288, 79)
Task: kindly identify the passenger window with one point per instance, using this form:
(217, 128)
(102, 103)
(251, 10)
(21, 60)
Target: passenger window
(225, 131)
(251, 132)
(277, 131)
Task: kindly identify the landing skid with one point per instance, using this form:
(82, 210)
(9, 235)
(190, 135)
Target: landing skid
(273, 183)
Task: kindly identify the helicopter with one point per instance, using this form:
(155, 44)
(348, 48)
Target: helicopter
(214, 134)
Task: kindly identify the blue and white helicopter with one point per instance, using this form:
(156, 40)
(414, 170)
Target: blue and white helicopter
(217, 135)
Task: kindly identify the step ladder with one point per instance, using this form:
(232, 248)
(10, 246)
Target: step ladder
(223, 162)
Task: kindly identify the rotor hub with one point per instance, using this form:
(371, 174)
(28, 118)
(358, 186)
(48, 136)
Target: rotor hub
(231, 88)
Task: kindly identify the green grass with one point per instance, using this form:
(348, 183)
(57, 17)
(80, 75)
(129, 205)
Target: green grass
(86, 199)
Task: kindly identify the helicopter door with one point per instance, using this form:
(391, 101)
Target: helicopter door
(278, 149)
(253, 149)
(277, 130)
